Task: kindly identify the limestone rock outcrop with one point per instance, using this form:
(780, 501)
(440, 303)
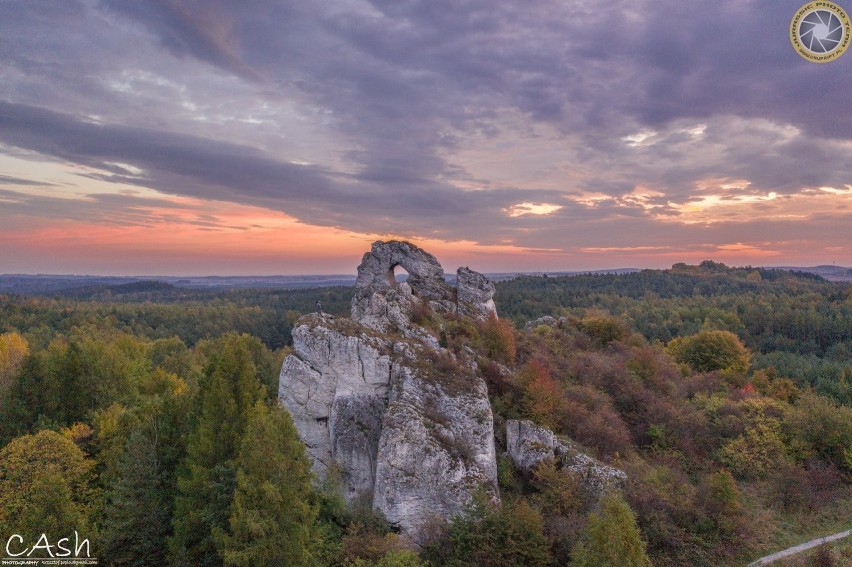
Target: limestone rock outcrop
(528, 445)
(402, 423)
(475, 294)
(336, 385)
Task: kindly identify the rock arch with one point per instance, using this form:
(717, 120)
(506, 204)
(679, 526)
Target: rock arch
(379, 302)
(377, 266)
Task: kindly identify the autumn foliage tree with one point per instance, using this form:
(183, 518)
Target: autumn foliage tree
(543, 398)
(498, 338)
(44, 487)
(13, 349)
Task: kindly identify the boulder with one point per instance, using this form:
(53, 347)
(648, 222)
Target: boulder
(529, 445)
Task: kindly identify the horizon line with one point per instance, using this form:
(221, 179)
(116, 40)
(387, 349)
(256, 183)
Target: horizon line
(350, 275)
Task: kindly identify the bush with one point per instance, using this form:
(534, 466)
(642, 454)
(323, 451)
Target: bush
(491, 536)
(760, 448)
(604, 328)
(591, 420)
(543, 399)
(805, 487)
(711, 350)
(820, 427)
(498, 339)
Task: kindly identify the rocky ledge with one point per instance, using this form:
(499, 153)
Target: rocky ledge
(529, 445)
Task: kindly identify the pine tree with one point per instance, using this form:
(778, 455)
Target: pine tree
(136, 522)
(207, 478)
(272, 516)
(612, 537)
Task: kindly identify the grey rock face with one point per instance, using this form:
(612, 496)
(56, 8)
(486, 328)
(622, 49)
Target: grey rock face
(335, 385)
(436, 449)
(402, 423)
(528, 445)
(475, 295)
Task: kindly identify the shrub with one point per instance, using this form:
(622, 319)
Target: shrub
(591, 420)
(759, 448)
(491, 536)
(719, 497)
(604, 328)
(498, 339)
(805, 487)
(711, 350)
(543, 399)
(821, 427)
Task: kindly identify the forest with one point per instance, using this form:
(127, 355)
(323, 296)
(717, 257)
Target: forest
(144, 417)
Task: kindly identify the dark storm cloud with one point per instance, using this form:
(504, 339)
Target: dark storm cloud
(406, 87)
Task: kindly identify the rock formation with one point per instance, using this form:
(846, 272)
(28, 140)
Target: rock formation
(528, 445)
(400, 421)
(475, 294)
(383, 304)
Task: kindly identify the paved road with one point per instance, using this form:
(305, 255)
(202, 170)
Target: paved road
(799, 548)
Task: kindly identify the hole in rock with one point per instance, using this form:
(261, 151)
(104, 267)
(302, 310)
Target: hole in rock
(397, 274)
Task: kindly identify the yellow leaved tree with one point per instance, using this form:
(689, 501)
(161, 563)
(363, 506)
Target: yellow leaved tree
(13, 350)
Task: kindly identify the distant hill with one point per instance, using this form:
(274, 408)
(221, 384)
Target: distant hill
(94, 287)
(82, 287)
(125, 291)
(90, 287)
(831, 273)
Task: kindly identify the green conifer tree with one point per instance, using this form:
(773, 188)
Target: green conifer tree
(136, 522)
(207, 477)
(612, 537)
(272, 516)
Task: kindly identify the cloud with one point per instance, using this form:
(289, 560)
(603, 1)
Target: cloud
(9, 180)
(190, 29)
(527, 208)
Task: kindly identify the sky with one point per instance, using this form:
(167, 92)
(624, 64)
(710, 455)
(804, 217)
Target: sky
(180, 137)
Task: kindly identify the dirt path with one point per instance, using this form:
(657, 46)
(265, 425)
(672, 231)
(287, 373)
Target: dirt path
(799, 548)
